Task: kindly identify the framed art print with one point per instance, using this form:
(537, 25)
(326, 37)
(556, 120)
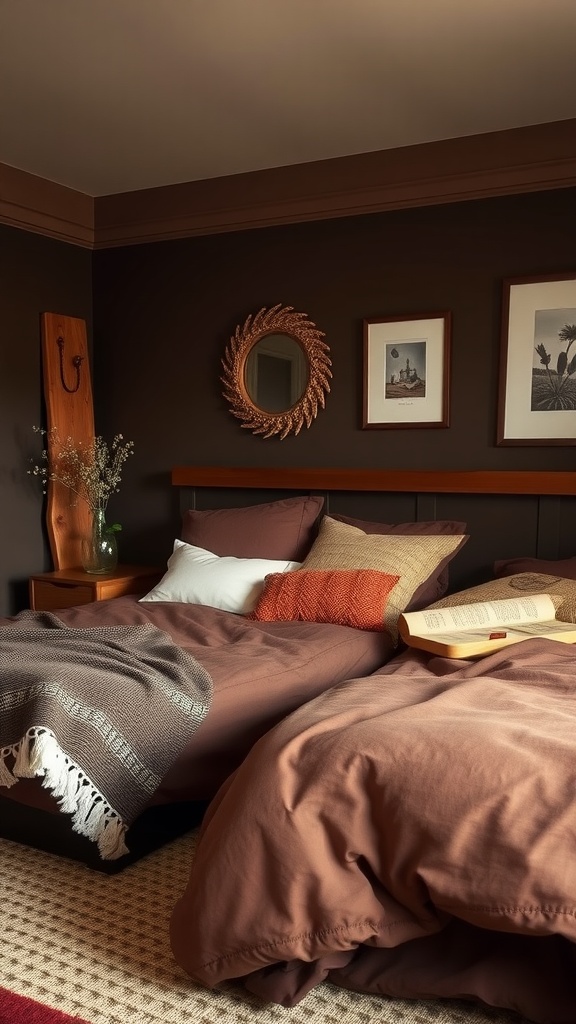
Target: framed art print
(537, 389)
(406, 371)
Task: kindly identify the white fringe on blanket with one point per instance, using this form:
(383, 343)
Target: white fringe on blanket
(39, 754)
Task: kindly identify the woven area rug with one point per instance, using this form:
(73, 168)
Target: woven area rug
(96, 947)
(20, 1010)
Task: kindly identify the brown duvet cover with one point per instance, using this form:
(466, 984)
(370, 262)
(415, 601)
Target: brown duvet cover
(260, 672)
(410, 834)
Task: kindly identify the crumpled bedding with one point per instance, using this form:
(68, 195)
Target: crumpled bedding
(261, 671)
(410, 834)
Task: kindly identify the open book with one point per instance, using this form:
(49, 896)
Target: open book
(470, 630)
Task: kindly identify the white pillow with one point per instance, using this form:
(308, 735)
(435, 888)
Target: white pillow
(197, 576)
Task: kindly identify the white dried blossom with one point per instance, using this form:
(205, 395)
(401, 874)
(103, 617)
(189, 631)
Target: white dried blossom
(92, 472)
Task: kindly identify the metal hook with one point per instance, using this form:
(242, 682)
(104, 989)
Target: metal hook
(76, 363)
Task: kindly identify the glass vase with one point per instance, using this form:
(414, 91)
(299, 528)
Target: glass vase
(99, 549)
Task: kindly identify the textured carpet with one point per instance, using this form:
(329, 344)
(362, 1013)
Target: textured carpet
(96, 946)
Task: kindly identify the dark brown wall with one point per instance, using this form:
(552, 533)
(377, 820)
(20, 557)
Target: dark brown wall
(165, 312)
(37, 275)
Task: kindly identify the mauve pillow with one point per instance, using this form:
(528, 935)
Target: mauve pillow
(563, 567)
(282, 529)
(436, 586)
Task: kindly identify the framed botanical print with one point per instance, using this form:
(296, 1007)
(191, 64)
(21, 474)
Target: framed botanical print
(537, 389)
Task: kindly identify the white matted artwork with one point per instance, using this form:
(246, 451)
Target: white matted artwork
(406, 371)
(537, 393)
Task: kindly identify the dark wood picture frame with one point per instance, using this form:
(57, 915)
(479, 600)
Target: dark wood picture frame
(406, 372)
(537, 379)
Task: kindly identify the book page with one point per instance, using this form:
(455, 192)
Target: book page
(542, 628)
(505, 632)
(480, 618)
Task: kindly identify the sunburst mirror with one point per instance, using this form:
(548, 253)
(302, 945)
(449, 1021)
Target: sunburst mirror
(276, 372)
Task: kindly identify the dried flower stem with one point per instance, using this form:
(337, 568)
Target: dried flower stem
(92, 472)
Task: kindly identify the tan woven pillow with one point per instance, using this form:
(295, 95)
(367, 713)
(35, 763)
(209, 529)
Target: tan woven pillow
(413, 558)
(511, 586)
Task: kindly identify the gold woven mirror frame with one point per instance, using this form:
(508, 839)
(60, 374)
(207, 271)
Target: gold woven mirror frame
(278, 320)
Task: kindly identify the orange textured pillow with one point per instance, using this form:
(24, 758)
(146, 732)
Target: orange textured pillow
(344, 597)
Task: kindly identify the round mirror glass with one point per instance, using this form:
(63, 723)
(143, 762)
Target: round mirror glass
(276, 373)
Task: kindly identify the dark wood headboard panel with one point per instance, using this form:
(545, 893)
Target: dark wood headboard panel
(508, 514)
(425, 480)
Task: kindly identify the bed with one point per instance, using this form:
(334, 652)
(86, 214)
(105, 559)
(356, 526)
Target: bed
(409, 834)
(151, 768)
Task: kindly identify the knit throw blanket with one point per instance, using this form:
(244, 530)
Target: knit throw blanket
(100, 714)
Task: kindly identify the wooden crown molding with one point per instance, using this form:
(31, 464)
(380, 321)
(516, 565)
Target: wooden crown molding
(530, 159)
(46, 208)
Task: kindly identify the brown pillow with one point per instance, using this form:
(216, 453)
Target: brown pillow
(511, 586)
(282, 529)
(415, 559)
(345, 597)
(437, 586)
(564, 567)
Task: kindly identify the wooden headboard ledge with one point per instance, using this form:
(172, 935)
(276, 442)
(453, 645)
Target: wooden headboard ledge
(408, 480)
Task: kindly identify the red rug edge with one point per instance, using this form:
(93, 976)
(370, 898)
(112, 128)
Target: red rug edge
(15, 1009)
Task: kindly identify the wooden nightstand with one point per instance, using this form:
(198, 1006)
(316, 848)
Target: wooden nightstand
(67, 587)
